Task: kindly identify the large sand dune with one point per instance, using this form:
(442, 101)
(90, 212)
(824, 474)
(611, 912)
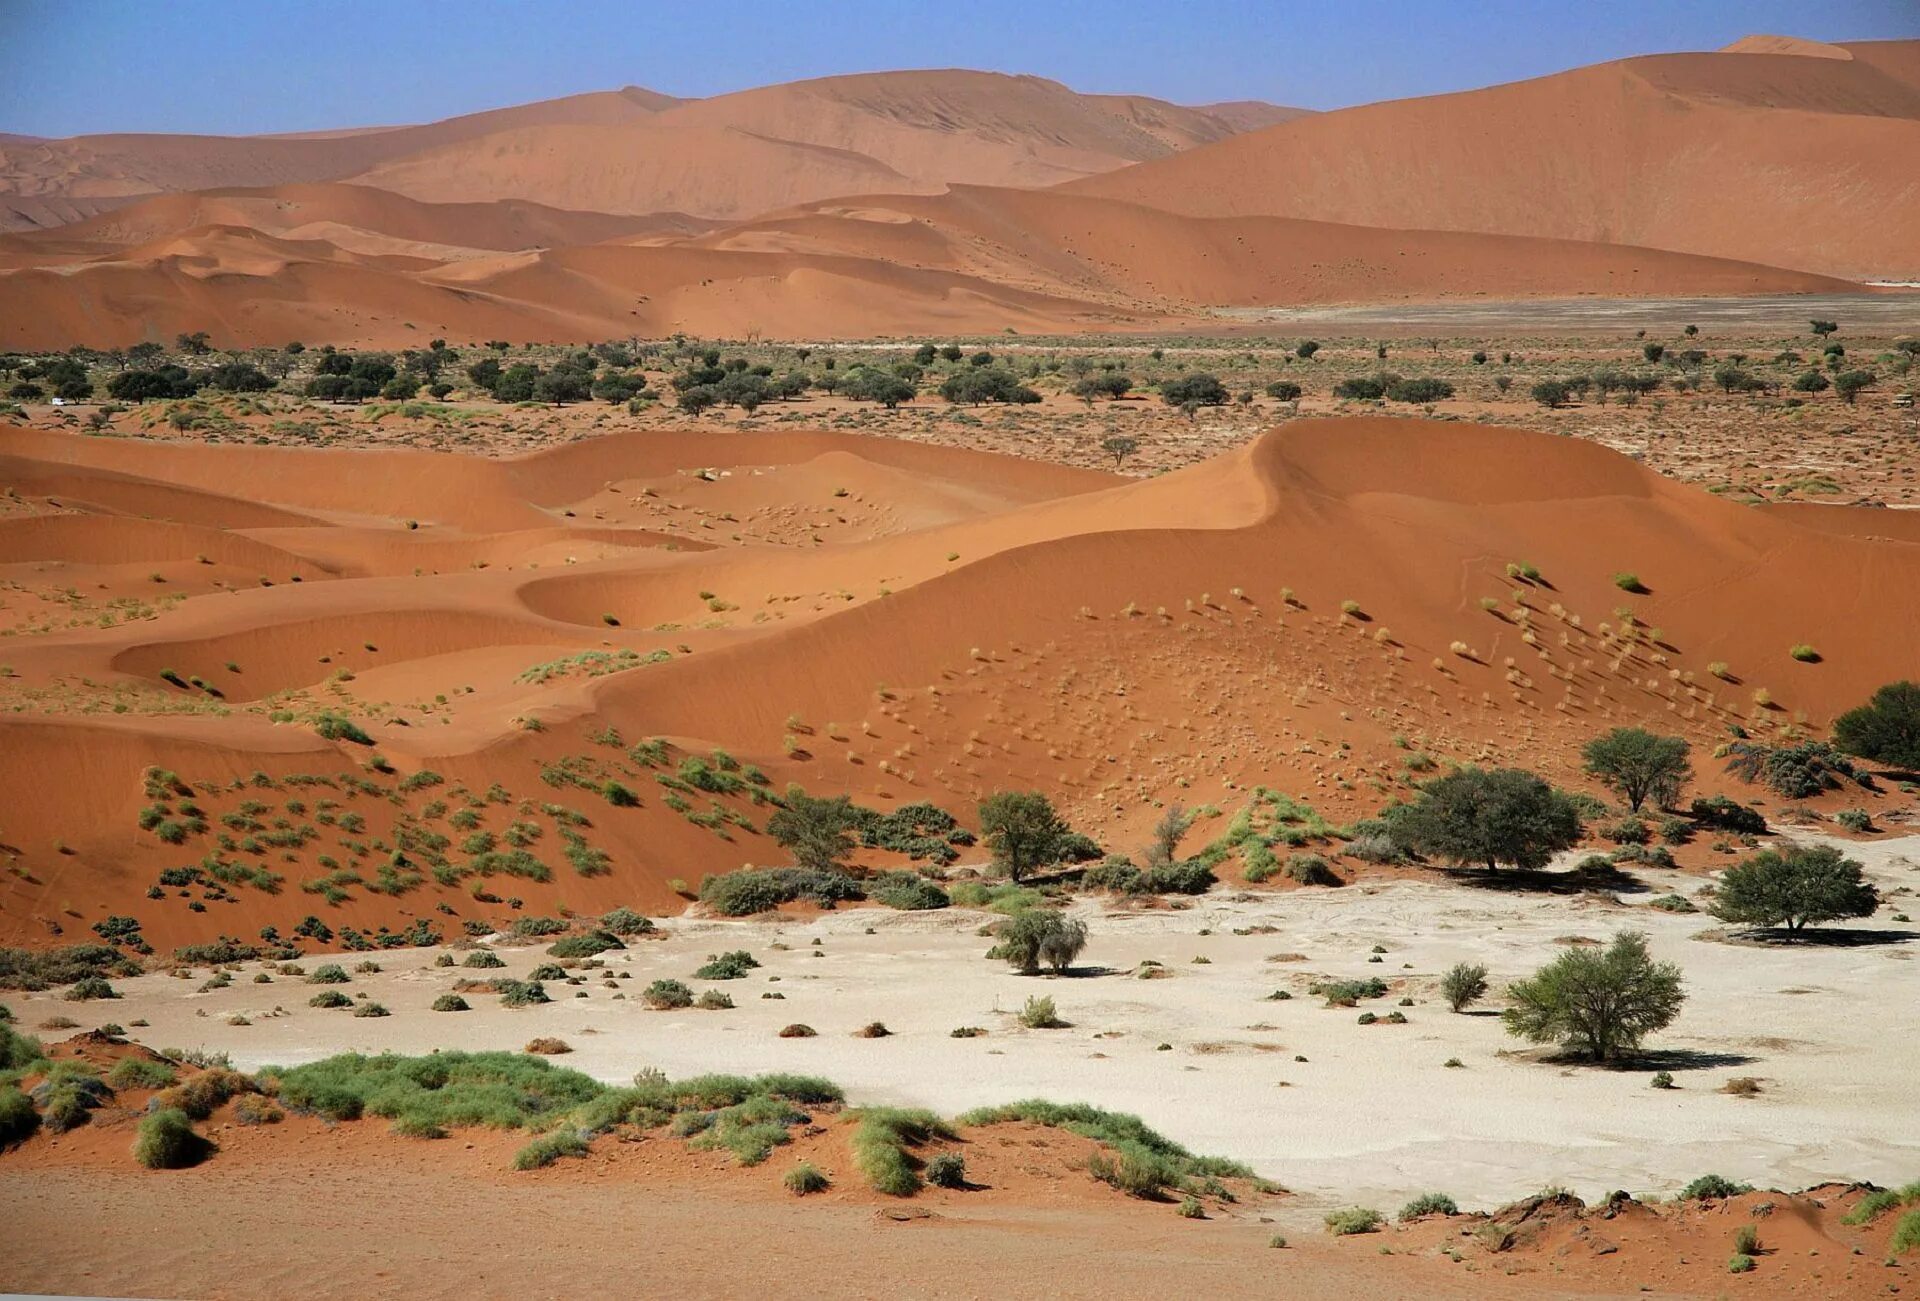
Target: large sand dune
(1787, 159)
(974, 622)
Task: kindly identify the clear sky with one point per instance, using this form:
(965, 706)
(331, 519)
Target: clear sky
(75, 66)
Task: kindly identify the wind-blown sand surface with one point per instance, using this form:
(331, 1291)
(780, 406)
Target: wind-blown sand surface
(1830, 1026)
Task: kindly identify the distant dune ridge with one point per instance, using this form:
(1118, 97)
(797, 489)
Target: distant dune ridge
(957, 201)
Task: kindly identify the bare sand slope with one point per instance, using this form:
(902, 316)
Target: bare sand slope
(1785, 159)
(901, 622)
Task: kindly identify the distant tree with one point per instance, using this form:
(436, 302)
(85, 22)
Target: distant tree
(1823, 328)
(1552, 393)
(194, 345)
(1167, 835)
(238, 377)
(1886, 729)
(1732, 378)
(1022, 830)
(516, 382)
(925, 354)
(1811, 381)
(1419, 390)
(817, 832)
(140, 354)
(1486, 818)
(1284, 390)
(1653, 352)
(1360, 388)
(1119, 447)
(1850, 384)
(1306, 350)
(696, 399)
(1199, 388)
(400, 388)
(1640, 765)
(1599, 1003)
(1800, 886)
(1691, 331)
(951, 352)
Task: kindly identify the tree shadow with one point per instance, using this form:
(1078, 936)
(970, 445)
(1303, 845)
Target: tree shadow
(1576, 880)
(1653, 1059)
(1836, 937)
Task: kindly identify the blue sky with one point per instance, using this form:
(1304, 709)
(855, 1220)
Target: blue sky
(74, 66)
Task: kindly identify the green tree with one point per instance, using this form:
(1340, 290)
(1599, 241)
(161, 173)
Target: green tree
(1284, 390)
(1198, 388)
(1023, 831)
(1640, 766)
(1120, 447)
(1799, 886)
(1850, 384)
(1811, 381)
(1886, 729)
(1551, 393)
(1036, 935)
(1823, 328)
(1599, 1003)
(1487, 818)
(817, 832)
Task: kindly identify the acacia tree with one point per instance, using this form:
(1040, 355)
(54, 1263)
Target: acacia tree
(1886, 729)
(817, 832)
(1640, 766)
(1598, 1003)
(1120, 447)
(1036, 935)
(1486, 818)
(1023, 831)
(1800, 886)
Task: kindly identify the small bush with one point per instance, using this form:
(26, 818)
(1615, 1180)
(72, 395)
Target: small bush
(371, 1009)
(797, 1031)
(329, 998)
(1663, 1080)
(1740, 1263)
(1040, 1014)
(548, 1148)
(451, 1003)
(804, 1179)
(333, 973)
(18, 1119)
(165, 1141)
(547, 1046)
(90, 987)
(1746, 1241)
(726, 966)
(591, 944)
(1714, 1187)
(520, 993)
(625, 922)
(1906, 1235)
(947, 1170)
(1354, 1219)
(483, 960)
(1429, 1204)
(139, 1073)
(662, 995)
(1463, 985)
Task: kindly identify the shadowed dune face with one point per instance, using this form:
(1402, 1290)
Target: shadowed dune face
(901, 622)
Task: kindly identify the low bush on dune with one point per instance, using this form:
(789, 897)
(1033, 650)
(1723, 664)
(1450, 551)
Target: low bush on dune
(1144, 1163)
(139, 1073)
(18, 1051)
(1429, 1204)
(881, 1139)
(199, 1096)
(946, 1170)
(548, 1148)
(1354, 1219)
(165, 1141)
(1713, 1187)
(450, 1089)
(805, 1178)
(18, 1119)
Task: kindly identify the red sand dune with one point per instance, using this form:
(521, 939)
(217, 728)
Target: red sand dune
(635, 151)
(1786, 159)
(986, 623)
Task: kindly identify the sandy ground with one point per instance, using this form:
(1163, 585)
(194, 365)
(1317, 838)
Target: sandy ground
(1328, 1107)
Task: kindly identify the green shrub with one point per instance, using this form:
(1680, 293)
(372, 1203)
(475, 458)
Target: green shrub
(451, 1003)
(165, 1141)
(139, 1073)
(1354, 1219)
(804, 1179)
(906, 891)
(757, 890)
(584, 946)
(1906, 1235)
(548, 1148)
(483, 960)
(664, 994)
(1463, 985)
(947, 1170)
(90, 987)
(450, 1089)
(371, 1009)
(1429, 1204)
(18, 1050)
(726, 966)
(1143, 1162)
(881, 1137)
(18, 1119)
(626, 923)
(1739, 1263)
(1726, 814)
(1040, 1014)
(329, 998)
(331, 973)
(1715, 1187)
(520, 993)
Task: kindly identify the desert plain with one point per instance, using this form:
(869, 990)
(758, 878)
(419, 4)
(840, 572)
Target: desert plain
(956, 693)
